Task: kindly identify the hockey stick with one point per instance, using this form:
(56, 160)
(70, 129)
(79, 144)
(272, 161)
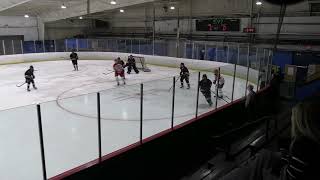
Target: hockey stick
(21, 84)
(218, 97)
(108, 73)
(174, 83)
(228, 98)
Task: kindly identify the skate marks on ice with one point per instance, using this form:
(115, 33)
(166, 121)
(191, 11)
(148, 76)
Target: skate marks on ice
(57, 81)
(157, 101)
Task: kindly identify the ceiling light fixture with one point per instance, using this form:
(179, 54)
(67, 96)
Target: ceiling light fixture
(26, 16)
(121, 10)
(113, 2)
(259, 3)
(172, 8)
(63, 6)
(80, 17)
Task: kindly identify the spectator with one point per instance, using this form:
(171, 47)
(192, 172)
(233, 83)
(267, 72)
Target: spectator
(301, 163)
(262, 79)
(250, 103)
(275, 91)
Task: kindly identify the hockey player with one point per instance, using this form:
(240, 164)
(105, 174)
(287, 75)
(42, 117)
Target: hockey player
(132, 64)
(205, 88)
(29, 76)
(184, 75)
(219, 82)
(74, 58)
(118, 67)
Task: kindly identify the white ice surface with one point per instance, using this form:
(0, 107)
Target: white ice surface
(68, 105)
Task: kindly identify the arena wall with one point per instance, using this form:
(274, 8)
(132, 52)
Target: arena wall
(226, 68)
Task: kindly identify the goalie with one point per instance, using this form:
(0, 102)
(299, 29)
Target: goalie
(219, 82)
(132, 65)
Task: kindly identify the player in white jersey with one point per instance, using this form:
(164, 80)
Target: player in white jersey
(118, 67)
(219, 82)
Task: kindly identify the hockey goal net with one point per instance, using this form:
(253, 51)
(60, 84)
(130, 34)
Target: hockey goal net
(141, 63)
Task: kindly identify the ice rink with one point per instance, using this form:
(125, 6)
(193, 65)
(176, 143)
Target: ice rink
(68, 102)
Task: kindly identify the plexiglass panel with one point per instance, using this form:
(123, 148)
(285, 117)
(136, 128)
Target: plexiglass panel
(70, 132)
(1, 47)
(19, 141)
(122, 46)
(49, 46)
(160, 48)
(146, 47)
(222, 49)
(157, 103)
(82, 44)
(136, 46)
(185, 99)
(39, 46)
(29, 47)
(60, 45)
(211, 51)
(254, 64)
(8, 46)
(120, 115)
(71, 44)
(17, 46)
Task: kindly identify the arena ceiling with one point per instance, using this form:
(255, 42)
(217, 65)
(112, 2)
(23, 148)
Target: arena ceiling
(50, 10)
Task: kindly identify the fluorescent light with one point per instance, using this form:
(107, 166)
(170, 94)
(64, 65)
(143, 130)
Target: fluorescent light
(26, 16)
(259, 3)
(113, 2)
(80, 17)
(172, 7)
(63, 6)
(121, 10)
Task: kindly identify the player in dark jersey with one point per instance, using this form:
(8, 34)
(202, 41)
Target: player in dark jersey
(132, 65)
(74, 58)
(205, 88)
(29, 76)
(184, 75)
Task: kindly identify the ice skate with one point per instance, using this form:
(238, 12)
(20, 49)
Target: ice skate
(28, 89)
(34, 87)
(188, 86)
(181, 86)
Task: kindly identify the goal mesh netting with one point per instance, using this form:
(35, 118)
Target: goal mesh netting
(141, 63)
